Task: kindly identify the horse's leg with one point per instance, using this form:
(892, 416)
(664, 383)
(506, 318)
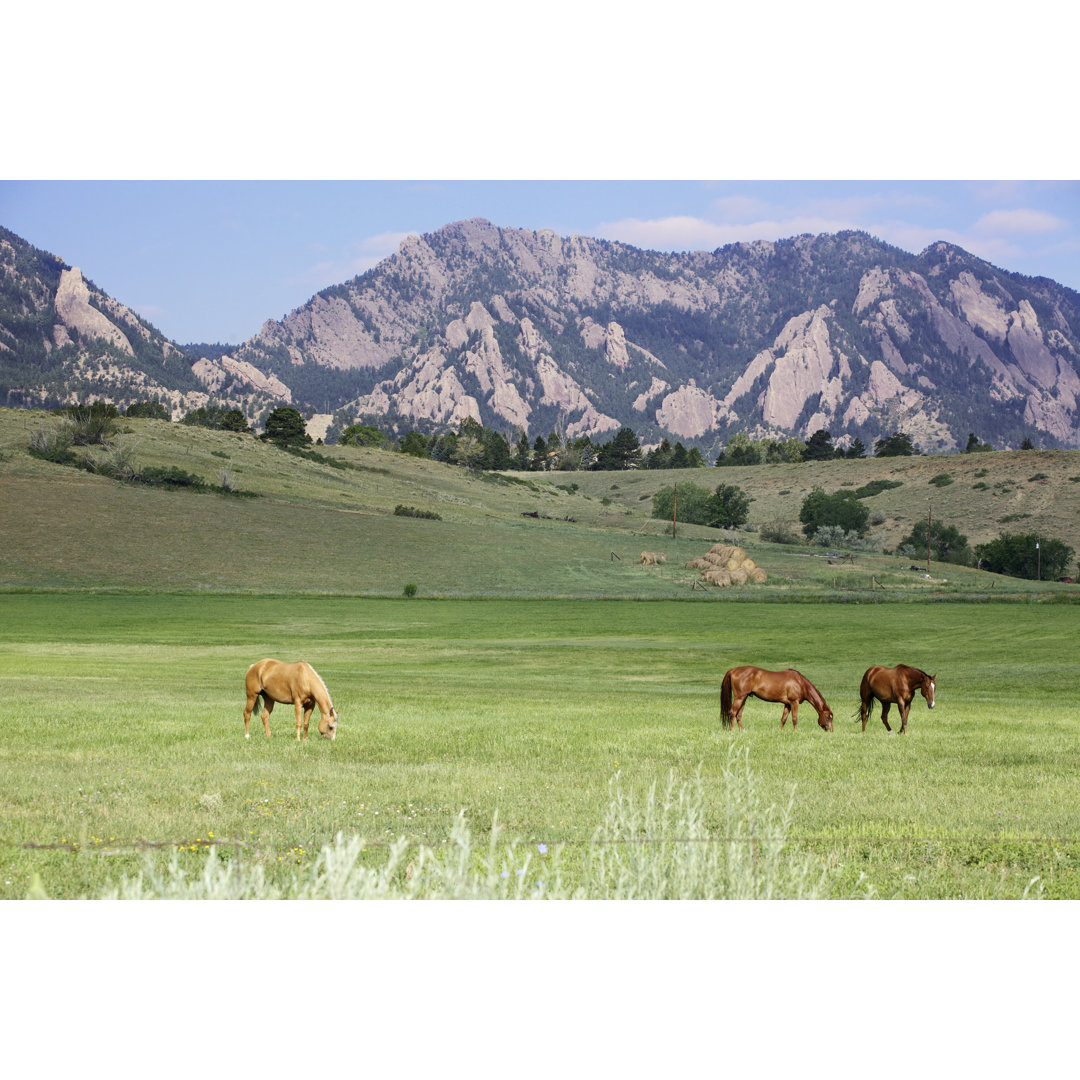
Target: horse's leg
(903, 706)
(864, 708)
(299, 716)
(737, 708)
(784, 716)
(307, 718)
(794, 715)
(252, 698)
(268, 708)
(885, 706)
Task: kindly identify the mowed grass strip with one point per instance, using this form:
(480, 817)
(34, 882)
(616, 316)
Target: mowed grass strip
(120, 724)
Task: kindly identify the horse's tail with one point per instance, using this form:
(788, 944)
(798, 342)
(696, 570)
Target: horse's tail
(864, 694)
(725, 700)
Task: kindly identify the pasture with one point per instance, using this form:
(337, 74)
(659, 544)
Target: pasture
(121, 738)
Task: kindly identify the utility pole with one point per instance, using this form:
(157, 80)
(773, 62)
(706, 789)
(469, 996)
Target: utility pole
(1038, 560)
(674, 511)
(928, 523)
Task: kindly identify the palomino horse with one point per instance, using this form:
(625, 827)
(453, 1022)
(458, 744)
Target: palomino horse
(787, 686)
(292, 684)
(893, 686)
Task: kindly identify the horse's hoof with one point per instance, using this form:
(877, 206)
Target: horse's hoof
(247, 734)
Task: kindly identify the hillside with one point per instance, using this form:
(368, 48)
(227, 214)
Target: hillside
(317, 529)
(529, 331)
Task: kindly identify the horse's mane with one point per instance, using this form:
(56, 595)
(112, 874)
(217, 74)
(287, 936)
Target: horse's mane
(323, 682)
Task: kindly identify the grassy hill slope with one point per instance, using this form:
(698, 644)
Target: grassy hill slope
(318, 529)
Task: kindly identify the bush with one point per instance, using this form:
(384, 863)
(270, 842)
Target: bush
(147, 410)
(52, 446)
(941, 480)
(947, 544)
(726, 508)
(833, 536)
(413, 512)
(876, 487)
(841, 509)
(780, 532)
(409, 590)
(1017, 556)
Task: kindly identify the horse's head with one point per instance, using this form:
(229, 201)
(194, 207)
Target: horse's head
(825, 718)
(328, 725)
(928, 690)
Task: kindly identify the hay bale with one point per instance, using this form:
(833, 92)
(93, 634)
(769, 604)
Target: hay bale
(738, 577)
(749, 565)
(758, 575)
(700, 563)
(652, 558)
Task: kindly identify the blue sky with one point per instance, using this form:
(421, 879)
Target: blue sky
(211, 260)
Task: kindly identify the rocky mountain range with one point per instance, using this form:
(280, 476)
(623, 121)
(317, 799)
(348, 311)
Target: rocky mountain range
(526, 330)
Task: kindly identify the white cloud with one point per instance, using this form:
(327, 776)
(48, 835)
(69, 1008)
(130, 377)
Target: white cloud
(1019, 221)
(366, 253)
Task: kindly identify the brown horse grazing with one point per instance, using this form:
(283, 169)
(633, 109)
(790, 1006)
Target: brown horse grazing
(787, 686)
(292, 684)
(893, 686)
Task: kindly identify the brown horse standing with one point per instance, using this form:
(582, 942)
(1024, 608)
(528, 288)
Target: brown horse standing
(787, 686)
(893, 686)
(292, 684)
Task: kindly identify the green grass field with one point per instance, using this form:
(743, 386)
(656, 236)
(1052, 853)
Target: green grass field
(120, 728)
(539, 675)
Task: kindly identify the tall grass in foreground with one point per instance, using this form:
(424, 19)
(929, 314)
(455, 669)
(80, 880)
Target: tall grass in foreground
(662, 849)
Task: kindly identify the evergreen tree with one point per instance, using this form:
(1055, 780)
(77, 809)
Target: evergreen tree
(623, 452)
(286, 427)
(857, 449)
(819, 446)
(898, 444)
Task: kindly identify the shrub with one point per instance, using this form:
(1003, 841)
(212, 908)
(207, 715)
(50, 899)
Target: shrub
(947, 544)
(52, 446)
(409, 590)
(780, 532)
(169, 476)
(876, 487)
(1025, 556)
(941, 480)
(726, 508)
(413, 512)
(148, 410)
(833, 536)
(841, 509)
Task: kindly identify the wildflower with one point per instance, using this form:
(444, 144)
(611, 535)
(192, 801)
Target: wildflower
(542, 848)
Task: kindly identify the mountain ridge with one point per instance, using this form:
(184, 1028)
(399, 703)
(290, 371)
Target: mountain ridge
(526, 330)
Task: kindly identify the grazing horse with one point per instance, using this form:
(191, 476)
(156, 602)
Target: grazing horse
(787, 686)
(292, 684)
(893, 686)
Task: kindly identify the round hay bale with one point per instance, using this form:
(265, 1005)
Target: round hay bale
(739, 577)
(723, 550)
(733, 563)
(749, 565)
(700, 563)
(758, 575)
(717, 577)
